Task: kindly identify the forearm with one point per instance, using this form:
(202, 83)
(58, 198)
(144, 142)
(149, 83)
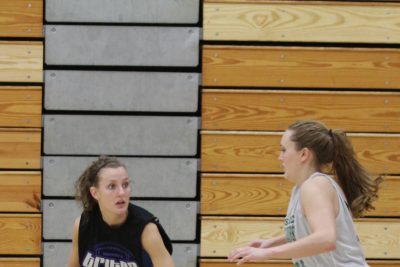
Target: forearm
(166, 262)
(276, 241)
(309, 246)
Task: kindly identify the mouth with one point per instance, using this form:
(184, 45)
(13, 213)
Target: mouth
(120, 203)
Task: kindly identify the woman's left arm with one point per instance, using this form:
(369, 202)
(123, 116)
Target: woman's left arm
(318, 198)
(153, 244)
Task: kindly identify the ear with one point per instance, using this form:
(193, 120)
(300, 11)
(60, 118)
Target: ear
(93, 192)
(305, 155)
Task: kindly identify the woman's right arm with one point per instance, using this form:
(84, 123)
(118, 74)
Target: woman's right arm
(267, 243)
(74, 256)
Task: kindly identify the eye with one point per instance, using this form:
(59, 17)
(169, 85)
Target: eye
(111, 186)
(125, 184)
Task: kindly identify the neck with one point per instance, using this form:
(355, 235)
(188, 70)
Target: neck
(114, 220)
(304, 174)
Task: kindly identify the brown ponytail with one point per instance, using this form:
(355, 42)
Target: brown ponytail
(333, 147)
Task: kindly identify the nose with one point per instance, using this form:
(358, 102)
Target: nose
(121, 190)
(280, 156)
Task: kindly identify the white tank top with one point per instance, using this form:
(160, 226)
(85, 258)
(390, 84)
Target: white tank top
(348, 252)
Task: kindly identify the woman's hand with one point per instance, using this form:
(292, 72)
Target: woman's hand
(249, 253)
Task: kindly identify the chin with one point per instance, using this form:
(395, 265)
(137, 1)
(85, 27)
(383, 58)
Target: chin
(287, 177)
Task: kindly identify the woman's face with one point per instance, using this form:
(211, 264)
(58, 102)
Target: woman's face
(289, 156)
(113, 191)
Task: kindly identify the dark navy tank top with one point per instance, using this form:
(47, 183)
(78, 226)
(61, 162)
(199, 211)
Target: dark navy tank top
(103, 246)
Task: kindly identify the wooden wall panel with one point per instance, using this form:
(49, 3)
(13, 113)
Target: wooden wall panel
(21, 18)
(312, 67)
(20, 106)
(20, 191)
(389, 198)
(284, 263)
(273, 110)
(302, 21)
(258, 194)
(20, 234)
(241, 194)
(21, 61)
(219, 235)
(20, 262)
(20, 148)
(259, 151)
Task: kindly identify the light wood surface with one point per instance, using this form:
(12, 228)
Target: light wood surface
(244, 194)
(284, 263)
(302, 21)
(219, 235)
(21, 234)
(261, 110)
(225, 263)
(20, 106)
(263, 194)
(305, 67)
(21, 18)
(20, 148)
(20, 191)
(258, 152)
(21, 61)
(20, 262)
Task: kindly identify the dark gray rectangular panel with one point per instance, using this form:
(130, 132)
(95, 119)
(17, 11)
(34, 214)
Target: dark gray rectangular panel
(123, 11)
(121, 91)
(151, 177)
(56, 254)
(120, 135)
(177, 217)
(121, 45)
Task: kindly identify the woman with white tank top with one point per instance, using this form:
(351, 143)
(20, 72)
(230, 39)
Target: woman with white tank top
(319, 229)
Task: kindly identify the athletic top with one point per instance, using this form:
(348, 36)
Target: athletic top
(348, 252)
(101, 245)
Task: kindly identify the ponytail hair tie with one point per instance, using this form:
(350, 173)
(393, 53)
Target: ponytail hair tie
(330, 133)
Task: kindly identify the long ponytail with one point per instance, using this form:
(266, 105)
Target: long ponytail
(360, 188)
(333, 147)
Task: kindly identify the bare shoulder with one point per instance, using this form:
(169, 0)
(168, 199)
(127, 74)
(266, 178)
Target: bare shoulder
(317, 185)
(150, 232)
(318, 189)
(77, 221)
(316, 194)
(76, 225)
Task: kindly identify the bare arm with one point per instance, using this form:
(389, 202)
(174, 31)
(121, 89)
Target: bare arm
(319, 202)
(154, 245)
(74, 256)
(268, 243)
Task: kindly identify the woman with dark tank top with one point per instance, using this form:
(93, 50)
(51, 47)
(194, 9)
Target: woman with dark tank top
(111, 231)
(319, 229)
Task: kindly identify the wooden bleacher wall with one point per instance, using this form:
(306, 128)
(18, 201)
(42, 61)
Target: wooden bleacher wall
(122, 78)
(21, 72)
(266, 64)
(108, 91)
